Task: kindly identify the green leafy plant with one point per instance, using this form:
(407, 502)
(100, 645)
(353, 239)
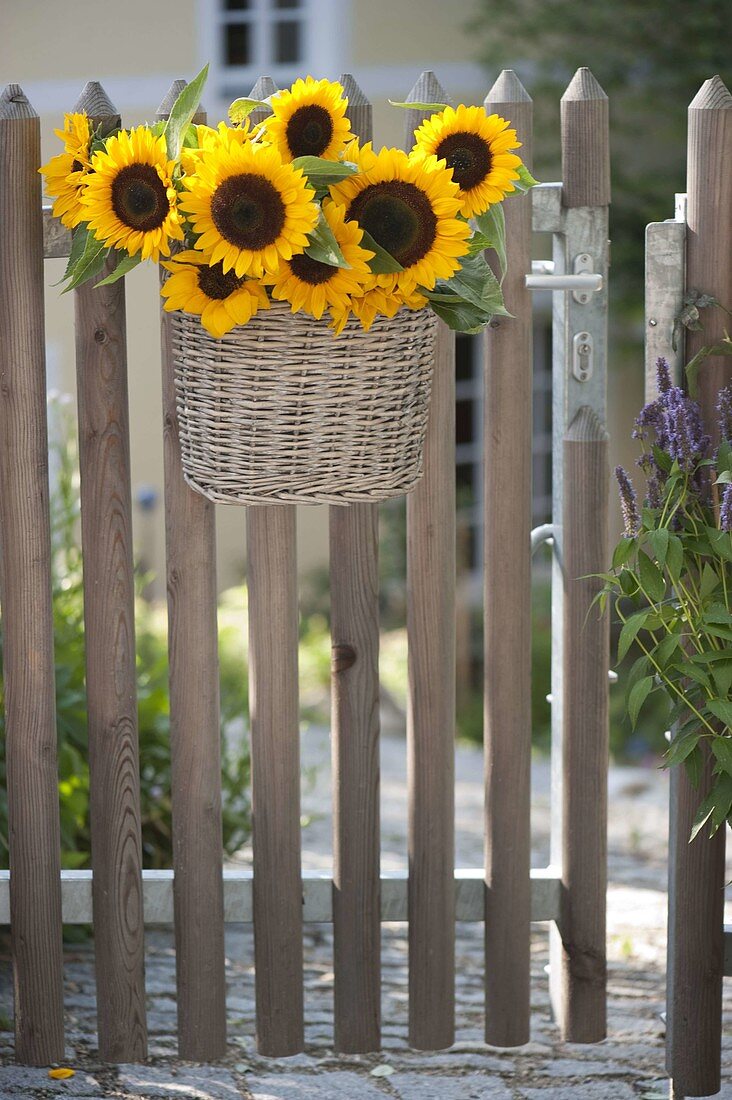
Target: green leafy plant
(671, 583)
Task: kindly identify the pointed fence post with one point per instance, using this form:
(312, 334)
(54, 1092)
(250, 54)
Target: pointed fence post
(27, 613)
(109, 628)
(580, 655)
(275, 737)
(696, 870)
(354, 574)
(431, 714)
(195, 731)
(507, 409)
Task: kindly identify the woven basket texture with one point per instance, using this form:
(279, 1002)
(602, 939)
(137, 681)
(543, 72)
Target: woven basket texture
(280, 411)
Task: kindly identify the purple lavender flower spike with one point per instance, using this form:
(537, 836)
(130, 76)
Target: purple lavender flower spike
(653, 492)
(724, 413)
(628, 503)
(663, 376)
(725, 511)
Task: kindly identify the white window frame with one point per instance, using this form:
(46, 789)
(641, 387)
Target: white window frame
(325, 45)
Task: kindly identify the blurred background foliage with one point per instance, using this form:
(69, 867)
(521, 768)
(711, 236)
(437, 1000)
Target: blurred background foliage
(651, 58)
(152, 687)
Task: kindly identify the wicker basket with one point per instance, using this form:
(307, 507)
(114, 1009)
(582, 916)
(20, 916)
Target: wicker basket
(279, 411)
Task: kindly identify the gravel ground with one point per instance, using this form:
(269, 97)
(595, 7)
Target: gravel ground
(629, 1064)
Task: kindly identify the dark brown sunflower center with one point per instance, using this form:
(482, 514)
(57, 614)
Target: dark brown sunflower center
(469, 157)
(77, 166)
(139, 197)
(311, 271)
(309, 131)
(399, 217)
(248, 211)
(215, 283)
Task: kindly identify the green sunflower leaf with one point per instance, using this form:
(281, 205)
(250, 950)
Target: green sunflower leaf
(89, 264)
(476, 283)
(493, 225)
(418, 106)
(459, 315)
(382, 263)
(125, 264)
(183, 111)
(324, 247)
(240, 109)
(321, 173)
(525, 181)
(79, 237)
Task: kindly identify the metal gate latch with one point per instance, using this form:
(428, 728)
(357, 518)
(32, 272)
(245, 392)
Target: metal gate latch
(583, 266)
(582, 356)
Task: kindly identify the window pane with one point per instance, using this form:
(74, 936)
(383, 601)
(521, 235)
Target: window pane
(237, 5)
(237, 44)
(464, 352)
(287, 41)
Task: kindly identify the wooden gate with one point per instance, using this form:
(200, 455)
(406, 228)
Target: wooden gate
(117, 896)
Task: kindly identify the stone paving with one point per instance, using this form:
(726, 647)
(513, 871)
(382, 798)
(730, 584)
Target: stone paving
(627, 1066)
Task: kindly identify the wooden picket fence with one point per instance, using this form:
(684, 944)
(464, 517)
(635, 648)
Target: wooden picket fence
(117, 896)
(693, 253)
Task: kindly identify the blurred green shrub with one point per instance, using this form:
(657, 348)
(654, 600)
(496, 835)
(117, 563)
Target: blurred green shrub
(152, 682)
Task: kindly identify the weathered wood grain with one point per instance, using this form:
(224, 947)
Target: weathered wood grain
(354, 608)
(431, 712)
(585, 745)
(585, 146)
(273, 706)
(28, 657)
(109, 626)
(275, 736)
(195, 740)
(507, 610)
(696, 870)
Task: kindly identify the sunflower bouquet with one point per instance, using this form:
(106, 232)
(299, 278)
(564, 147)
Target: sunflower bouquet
(293, 209)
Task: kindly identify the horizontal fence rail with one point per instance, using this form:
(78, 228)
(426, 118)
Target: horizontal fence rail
(198, 897)
(317, 896)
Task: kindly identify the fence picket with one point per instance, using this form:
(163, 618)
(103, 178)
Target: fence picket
(585, 747)
(275, 738)
(195, 742)
(28, 657)
(507, 602)
(109, 627)
(431, 715)
(579, 736)
(696, 871)
(354, 574)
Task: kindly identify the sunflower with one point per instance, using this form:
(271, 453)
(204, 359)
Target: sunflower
(209, 138)
(477, 147)
(66, 173)
(410, 208)
(312, 286)
(248, 208)
(129, 198)
(309, 120)
(374, 302)
(220, 298)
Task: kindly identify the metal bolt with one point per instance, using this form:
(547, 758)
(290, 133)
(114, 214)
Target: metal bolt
(653, 322)
(584, 349)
